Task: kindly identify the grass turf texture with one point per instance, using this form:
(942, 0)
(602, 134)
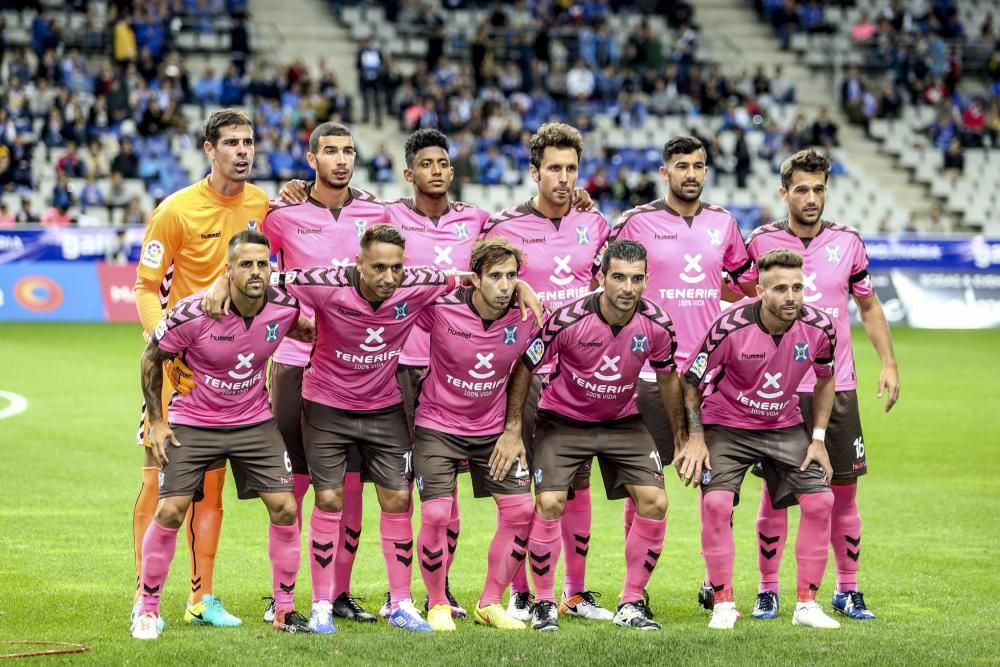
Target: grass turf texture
(929, 506)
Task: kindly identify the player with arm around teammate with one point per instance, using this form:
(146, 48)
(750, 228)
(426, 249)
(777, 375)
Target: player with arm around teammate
(226, 415)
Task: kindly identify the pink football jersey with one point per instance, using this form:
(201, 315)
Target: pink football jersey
(228, 357)
(464, 389)
(353, 366)
(686, 257)
(310, 234)
(749, 377)
(443, 242)
(559, 254)
(597, 367)
(835, 267)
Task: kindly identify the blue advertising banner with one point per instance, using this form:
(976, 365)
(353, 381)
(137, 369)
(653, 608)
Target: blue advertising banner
(67, 244)
(974, 253)
(53, 291)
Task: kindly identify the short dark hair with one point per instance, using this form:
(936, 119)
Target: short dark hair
(247, 236)
(556, 135)
(779, 259)
(328, 129)
(382, 234)
(681, 145)
(625, 250)
(806, 160)
(223, 118)
(421, 139)
(490, 252)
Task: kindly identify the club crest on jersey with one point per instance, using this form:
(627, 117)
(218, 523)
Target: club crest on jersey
(509, 335)
(420, 483)
(159, 479)
(536, 351)
(271, 332)
(640, 343)
(400, 311)
(706, 477)
(714, 237)
(538, 475)
(252, 225)
(582, 237)
(461, 231)
(700, 365)
(833, 254)
(360, 226)
(802, 352)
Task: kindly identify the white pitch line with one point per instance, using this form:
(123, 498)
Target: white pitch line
(16, 404)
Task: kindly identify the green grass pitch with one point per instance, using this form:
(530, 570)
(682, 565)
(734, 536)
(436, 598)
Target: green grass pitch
(930, 506)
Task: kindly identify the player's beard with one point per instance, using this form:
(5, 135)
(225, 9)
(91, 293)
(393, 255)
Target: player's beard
(799, 217)
(335, 183)
(686, 196)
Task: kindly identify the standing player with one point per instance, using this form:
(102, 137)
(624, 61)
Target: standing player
(836, 268)
(475, 337)
(741, 385)
(560, 244)
(225, 415)
(588, 408)
(691, 243)
(184, 251)
(322, 230)
(439, 233)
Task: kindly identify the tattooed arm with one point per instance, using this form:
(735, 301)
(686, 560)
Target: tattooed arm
(152, 390)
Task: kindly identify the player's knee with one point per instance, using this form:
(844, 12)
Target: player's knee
(816, 506)
(519, 513)
(651, 504)
(170, 514)
(330, 500)
(550, 505)
(718, 506)
(284, 511)
(396, 501)
(437, 512)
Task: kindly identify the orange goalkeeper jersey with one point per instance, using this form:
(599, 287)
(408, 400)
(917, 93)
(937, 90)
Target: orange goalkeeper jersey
(184, 249)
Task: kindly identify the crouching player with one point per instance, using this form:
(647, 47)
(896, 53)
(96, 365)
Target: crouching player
(741, 384)
(588, 408)
(476, 335)
(226, 415)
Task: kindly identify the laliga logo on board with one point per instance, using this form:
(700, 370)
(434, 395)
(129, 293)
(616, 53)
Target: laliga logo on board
(771, 381)
(374, 336)
(245, 361)
(610, 363)
(484, 361)
(692, 273)
(562, 267)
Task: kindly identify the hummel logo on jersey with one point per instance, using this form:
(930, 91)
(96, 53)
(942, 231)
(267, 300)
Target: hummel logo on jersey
(692, 272)
(484, 362)
(771, 381)
(461, 231)
(802, 352)
(245, 361)
(809, 283)
(360, 226)
(443, 255)
(509, 335)
(640, 343)
(833, 254)
(610, 363)
(271, 332)
(562, 266)
(714, 237)
(582, 237)
(374, 336)
(400, 311)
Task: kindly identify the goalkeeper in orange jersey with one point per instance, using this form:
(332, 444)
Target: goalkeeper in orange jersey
(183, 252)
